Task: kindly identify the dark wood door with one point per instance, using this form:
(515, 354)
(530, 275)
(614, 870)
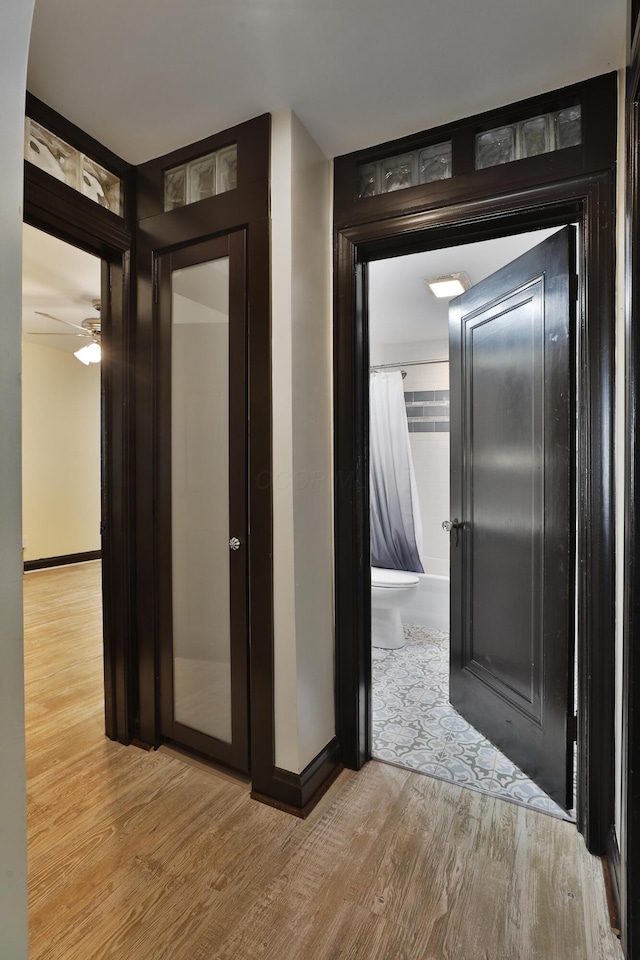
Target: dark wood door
(512, 557)
(202, 498)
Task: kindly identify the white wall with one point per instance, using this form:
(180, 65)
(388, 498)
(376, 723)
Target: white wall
(60, 453)
(14, 45)
(302, 445)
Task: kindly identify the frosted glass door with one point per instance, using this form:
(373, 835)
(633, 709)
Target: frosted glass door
(200, 498)
(202, 542)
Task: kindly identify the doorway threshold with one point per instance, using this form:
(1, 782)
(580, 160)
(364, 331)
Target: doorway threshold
(415, 726)
(202, 763)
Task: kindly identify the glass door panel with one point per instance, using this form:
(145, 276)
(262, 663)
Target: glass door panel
(200, 497)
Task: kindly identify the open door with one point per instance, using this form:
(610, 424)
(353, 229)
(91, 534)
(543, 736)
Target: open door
(512, 509)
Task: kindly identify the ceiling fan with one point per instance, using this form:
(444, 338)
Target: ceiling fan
(89, 328)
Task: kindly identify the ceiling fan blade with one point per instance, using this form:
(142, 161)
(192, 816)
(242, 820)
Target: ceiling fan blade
(59, 320)
(35, 333)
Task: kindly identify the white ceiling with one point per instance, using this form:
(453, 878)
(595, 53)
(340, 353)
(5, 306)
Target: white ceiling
(148, 76)
(402, 309)
(59, 279)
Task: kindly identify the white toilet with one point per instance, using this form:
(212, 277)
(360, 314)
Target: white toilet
(390, 590)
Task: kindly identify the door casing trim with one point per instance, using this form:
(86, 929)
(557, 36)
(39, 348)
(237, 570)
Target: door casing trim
(587, 200)
(244, 209)
(61, 211)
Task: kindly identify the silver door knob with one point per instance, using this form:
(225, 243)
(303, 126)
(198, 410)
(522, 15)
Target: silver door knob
(449, 525)
(452, 526)
(234, 543)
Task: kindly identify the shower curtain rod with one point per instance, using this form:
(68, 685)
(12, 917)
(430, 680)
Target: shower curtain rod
(409, 363)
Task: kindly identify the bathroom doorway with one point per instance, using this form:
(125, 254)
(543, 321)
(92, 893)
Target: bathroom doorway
(413, 721)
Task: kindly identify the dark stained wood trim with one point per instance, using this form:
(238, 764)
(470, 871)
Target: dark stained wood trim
(118, 533)
(145, 571)
(351, 509)
(63, 212)
(62, 561)
(299, 793)
(629, 838)
(512, 203)
(164, 709)
(261, 658)
(40, 112)
(73, 216)
(239, 498)
(596, 152)
(596, 521)
(251, 193)
(247, 207)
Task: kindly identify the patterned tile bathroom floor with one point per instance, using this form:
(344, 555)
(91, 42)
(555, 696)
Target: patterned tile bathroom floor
(414, 724)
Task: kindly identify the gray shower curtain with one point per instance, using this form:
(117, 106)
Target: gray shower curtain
(396, 525)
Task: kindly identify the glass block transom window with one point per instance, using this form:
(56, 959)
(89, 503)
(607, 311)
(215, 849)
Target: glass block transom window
(205, 177)
(62, 161)
(528, 138)
(397, 173)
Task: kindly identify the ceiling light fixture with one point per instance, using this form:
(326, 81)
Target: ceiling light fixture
(89, 354)
(449, 285)
(89, 328)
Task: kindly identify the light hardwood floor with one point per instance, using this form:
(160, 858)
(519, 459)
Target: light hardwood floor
(140, 856)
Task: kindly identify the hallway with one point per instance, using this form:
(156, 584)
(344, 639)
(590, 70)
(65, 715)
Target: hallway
(143, 856)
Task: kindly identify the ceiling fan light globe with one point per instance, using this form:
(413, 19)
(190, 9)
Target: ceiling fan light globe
(89, 354)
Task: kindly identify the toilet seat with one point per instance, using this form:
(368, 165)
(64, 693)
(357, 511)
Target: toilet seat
(381, 577)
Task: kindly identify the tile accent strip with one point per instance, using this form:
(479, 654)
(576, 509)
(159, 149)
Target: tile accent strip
(427, 411)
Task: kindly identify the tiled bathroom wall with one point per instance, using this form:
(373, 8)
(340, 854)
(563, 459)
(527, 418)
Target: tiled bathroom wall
(427, 400)
(427, 411)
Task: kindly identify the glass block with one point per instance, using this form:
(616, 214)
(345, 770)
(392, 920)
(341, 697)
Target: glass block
(434, 163)
(397, 173)
(534, 137)
(175, 188)
(53, 155)
(201, 178)
(495, 146)
(367, 185)
(568, 127)
(100, 185)
(227, 174)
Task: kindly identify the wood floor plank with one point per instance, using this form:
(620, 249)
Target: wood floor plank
(141, 856)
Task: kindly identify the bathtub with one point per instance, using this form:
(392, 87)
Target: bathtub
(430, 606)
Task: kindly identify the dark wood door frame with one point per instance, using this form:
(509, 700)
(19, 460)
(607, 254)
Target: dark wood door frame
(629, 839)
(245, 209)
(59, 210)
(587, 200)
